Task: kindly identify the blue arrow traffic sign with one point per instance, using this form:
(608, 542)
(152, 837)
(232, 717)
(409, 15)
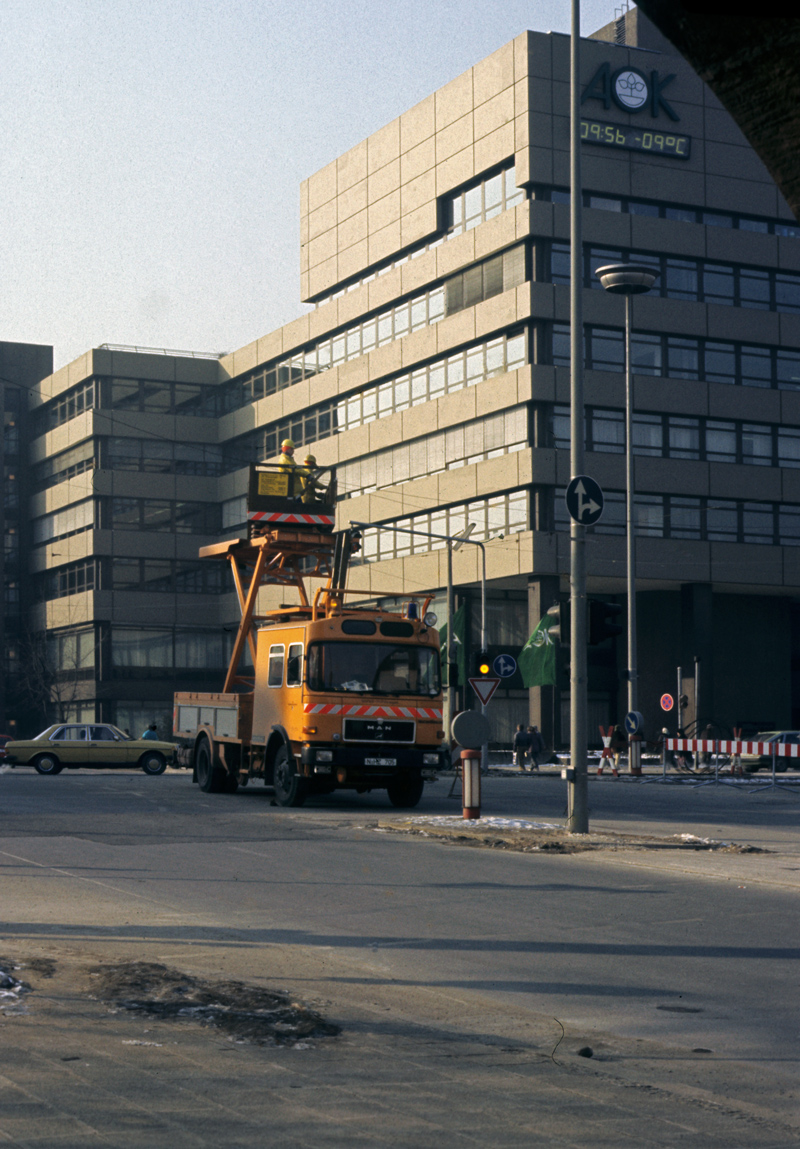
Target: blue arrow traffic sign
(584, 499)
(504, 666)
(634, 721)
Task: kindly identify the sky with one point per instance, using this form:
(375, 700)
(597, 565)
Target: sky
(153, 150)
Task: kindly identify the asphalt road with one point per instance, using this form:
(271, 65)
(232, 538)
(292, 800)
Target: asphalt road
(682, 978)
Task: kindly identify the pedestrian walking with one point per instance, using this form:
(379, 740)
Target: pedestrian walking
(537, 747)
(619, 743)
(521, 746)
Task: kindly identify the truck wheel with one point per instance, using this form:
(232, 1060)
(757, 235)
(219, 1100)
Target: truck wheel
(153, 763)
(405, 792)
(47, 764)
(210, 778)
(290, 788)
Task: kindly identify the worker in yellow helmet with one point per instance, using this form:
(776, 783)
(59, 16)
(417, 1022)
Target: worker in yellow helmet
(308, 477)
(287, 464)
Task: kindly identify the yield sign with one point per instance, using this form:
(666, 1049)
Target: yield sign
(484, 688)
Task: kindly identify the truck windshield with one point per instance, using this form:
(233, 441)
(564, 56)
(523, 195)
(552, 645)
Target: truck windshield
(374, 668)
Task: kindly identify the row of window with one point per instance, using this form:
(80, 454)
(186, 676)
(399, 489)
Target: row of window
(712, 360)
(484, 280)
(158, 397)
(697, 280)
(164, 515)
(394, 322)
(67, 406)
(162, 575)
(487, 438)
(58, 468)
(684, 517)
(462, 210)
(463, 369)
(685, 213)
(167, 648)
(500, 515)
(684, 437)
(160, 455)
(124, 514)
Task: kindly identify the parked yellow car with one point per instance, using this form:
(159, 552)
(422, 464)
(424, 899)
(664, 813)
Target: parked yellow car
(74, 744)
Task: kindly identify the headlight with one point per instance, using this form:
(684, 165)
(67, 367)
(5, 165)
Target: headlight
(430, 759)
(430, 619)
(323, 756)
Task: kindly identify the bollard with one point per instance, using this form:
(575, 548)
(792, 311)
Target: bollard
(635, 755)
(471, 783)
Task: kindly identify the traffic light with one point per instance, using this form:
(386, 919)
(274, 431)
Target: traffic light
(558, 623)
(482, 665)
(600, 625)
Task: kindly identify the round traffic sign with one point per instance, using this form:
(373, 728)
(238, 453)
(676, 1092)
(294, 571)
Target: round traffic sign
(504, 666)
(584, 499)
(470, 729)
(667, 702)
(634, 722)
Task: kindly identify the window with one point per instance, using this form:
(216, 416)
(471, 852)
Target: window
(72, 520)
(294, 665)
(275, 670)
(484, 280)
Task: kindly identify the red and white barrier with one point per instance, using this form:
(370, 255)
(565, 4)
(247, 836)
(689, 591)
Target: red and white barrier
(729, 746)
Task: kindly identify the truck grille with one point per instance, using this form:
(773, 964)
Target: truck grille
(374, 730)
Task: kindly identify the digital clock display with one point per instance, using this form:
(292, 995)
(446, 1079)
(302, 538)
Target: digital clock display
(636, 139)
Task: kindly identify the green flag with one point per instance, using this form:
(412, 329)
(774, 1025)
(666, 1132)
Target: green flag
(459, 628)
(537, 660)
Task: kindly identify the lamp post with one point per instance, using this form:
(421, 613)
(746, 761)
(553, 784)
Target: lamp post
(629, 279)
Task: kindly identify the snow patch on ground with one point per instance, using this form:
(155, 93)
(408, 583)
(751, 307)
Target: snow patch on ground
(488, 823)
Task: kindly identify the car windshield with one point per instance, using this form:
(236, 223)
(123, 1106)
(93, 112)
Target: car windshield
(374, 668)
(121, 734)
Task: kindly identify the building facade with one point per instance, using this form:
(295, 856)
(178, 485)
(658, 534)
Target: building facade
(433, 370)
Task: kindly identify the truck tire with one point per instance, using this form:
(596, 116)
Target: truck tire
(211, 778)
(406, 791)
(290, 788)
(47, 764)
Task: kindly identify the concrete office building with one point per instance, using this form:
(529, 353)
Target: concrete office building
(434, 371)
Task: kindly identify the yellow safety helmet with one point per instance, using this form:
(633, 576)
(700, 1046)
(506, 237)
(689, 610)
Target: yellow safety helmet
(310, 459)
(287, 445)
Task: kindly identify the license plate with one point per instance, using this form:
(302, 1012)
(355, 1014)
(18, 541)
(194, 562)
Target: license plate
(380, 761)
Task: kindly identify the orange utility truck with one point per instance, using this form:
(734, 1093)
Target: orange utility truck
(338, 697)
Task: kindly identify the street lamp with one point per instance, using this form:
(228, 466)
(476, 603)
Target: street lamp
(629, 279)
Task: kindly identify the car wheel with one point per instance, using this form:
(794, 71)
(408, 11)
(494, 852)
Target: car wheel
(781, 766)
(405, 792)
(47, 764)
(210, 777)
(153, 762)
(290, 789)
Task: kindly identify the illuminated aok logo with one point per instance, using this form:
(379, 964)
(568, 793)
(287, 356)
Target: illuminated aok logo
(630, 89)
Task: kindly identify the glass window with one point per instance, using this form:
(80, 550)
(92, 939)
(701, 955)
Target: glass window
(125, 514)
(680, 278)
(156, 515)
(788, 447)
(757, 444)
(787, 367)
(684, 214)
(758, 523)
(718, 284)
(685, 522)
(720, 441)
(753, 224)
(607, 349)
(684, 438)
(635, 207)
(722, 520)
(275, 670)
(493, 194)
(683, 358)
(789, 526)
(125, 394)
(645, 354)
(141, 648)
(648, 435)
(754, 288)
(787, 292)
(605, 203)
(607, 430)
(720, 362)
(294, 665)
(756, 366)
(561, 427)
(716, 219)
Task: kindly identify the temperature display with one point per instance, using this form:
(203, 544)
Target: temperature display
(635, 139)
